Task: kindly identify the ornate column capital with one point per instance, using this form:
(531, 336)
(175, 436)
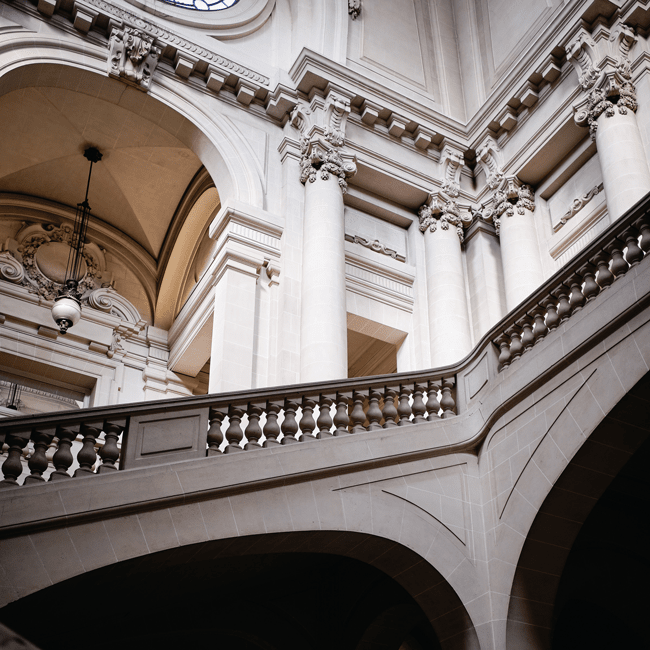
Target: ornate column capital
(442, 211)
(512, 196)
(322, 136)
(451, 163)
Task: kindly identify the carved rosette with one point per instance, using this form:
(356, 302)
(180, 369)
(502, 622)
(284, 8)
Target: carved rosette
(132, 57)
(508, 201)
(617, 99)
(443, 214)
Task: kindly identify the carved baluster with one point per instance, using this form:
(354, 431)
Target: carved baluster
(576, 299)
(110, 452)
(552, 318)
(433, 405)
(271, 427)
(389, 411)
(358, 417)
(374, 414)
(307, 422)
(634, 254)
(404, 406)
(325, 421)
(643, 226)
(341, 419)
(12, 468)
(563, 308)
(540, 330)
(447, 402)
(527, 338)
(38, 462)
(87, 456)
(504, 345)
(591, 288)
(418, 406)
(63, 457)
(215, 436)
(234, 433)
(619, 265)
(605, 276)
(289, 424)
(253, 430)
(516, 348)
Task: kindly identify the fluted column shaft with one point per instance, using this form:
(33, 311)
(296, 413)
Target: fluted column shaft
(449, 323)
(323, 313)
(522, 266)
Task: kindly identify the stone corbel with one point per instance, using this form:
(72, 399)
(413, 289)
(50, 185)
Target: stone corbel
(582, 54)
(133, 57)
(623, 39)
(451, 163)
(337, 109)
(489, 155)
(439, 210)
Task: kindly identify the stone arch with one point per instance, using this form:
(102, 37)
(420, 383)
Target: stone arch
(27, 59)
(565, 508)
(445, 613)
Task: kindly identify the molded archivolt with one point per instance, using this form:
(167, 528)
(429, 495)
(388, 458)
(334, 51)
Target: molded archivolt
(28, 59)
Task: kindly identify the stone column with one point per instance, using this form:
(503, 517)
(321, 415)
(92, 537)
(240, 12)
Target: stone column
(513, 217)
(611, 116)
(323, 329)
(449, 324)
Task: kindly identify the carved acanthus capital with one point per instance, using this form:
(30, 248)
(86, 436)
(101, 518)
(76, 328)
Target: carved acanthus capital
(581, 53)
(512, 197)
(440, 211)
(489, 155)
(451, 161)
(132, 57)
(319, 159)
(617, 98)
(354, 8)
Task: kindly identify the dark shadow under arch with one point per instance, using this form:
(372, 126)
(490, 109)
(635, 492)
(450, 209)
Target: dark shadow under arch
(621, 441)
(265, 592)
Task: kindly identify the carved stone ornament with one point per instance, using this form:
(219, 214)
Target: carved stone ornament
(354, 8)
(320, 160)
(579, 203)
(375, 246)
(618, 98)
(443, 212)
(488, 155)
(132, 57)
(512, 197)
(581, 53)
(452, 162)
(623, 38)
(337, 109)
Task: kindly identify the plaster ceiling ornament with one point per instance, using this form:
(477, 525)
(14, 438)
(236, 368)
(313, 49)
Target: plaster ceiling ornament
(488, 155)
(618, 97)
(581, 53)
(354, 8)
(442, 212)
(132, 57)
(452, 162)
(512, 197)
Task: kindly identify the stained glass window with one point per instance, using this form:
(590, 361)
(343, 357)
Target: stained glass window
(203, 5)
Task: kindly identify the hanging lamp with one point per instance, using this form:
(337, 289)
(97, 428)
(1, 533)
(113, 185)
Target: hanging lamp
(67, 306)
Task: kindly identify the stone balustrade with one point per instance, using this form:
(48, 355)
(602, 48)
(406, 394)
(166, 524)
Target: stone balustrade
(129, 436)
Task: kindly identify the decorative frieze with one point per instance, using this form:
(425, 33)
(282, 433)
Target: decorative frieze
(442, 212)
(132, 57)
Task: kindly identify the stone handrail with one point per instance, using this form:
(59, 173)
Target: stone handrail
(181, 429)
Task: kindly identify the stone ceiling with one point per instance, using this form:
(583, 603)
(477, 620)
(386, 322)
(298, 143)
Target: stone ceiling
(135, 188)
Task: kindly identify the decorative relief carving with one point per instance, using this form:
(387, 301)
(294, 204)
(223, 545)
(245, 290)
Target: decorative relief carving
(452, 162)
(376, 246)
(354, 8)
(581, 53)
(512, 197)
(488, 154)
(443, 212)
(624, 37)
(337, 109)
(317, 160)
(579, 203)
(10, 268)
(132, 57)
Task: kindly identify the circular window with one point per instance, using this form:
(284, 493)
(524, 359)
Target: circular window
(203, 5)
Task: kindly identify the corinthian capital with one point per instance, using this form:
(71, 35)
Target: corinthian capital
(512, 197)
(441, 212)
(319, 159)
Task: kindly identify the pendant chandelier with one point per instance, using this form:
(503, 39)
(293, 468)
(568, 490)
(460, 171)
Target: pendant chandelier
(67, 306)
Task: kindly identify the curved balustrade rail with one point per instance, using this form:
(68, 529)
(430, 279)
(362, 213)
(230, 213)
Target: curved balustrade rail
(133, 435)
